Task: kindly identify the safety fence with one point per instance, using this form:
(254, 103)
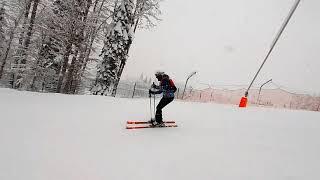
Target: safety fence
(276, 98)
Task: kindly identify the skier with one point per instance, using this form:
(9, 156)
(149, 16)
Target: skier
(167, 88)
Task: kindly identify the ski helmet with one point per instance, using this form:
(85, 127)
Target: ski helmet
(159, 74)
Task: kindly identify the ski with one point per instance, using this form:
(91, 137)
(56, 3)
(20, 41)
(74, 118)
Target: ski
(150, 126)
(147, 122)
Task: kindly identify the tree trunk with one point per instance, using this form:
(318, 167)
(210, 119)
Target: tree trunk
(64, 66)
(139, 6)
(37, 73)
(77, 63)
(71, 70)
(123, 63)
(31, 25)
(16, 23)
(3, 63)
(26, 16)
(76, 74)
(115, 87)
(92, 37)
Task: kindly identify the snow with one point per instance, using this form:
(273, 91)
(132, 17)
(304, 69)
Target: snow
(71, 137)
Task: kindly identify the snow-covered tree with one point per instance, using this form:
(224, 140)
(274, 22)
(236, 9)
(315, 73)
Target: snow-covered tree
(116, 45)
(70, 22)
(52, 41)
(49, 51)
(25, 54)
(69, 31)
(31, 24)
(146, 13)
(12, 23)
(98, 18)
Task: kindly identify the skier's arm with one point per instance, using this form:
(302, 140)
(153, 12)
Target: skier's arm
(159, 91)
(155, 86)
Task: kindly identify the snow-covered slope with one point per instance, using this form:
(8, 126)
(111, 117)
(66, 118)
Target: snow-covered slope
(53, 136)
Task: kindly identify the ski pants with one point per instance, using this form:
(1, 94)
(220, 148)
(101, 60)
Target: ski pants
(163, 102)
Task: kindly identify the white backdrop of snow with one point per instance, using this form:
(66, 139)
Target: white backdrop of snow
(53, 136)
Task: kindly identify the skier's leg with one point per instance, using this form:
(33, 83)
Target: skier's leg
(163, 102)
(159, 110)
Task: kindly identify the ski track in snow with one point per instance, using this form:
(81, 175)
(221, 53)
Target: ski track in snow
(71, 137)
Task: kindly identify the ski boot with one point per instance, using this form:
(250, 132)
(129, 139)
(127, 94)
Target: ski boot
(160, 124)
(152, 122)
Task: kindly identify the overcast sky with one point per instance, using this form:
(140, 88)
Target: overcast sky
(226, 42)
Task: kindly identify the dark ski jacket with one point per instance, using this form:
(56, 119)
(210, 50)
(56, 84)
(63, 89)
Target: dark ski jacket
(166, 87)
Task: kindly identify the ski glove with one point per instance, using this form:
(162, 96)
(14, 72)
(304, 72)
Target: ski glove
(155, 86)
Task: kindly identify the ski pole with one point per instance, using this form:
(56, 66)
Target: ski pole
(150, 107)
(154, 104)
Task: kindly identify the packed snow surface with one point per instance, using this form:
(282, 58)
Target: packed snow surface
(71, 137)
